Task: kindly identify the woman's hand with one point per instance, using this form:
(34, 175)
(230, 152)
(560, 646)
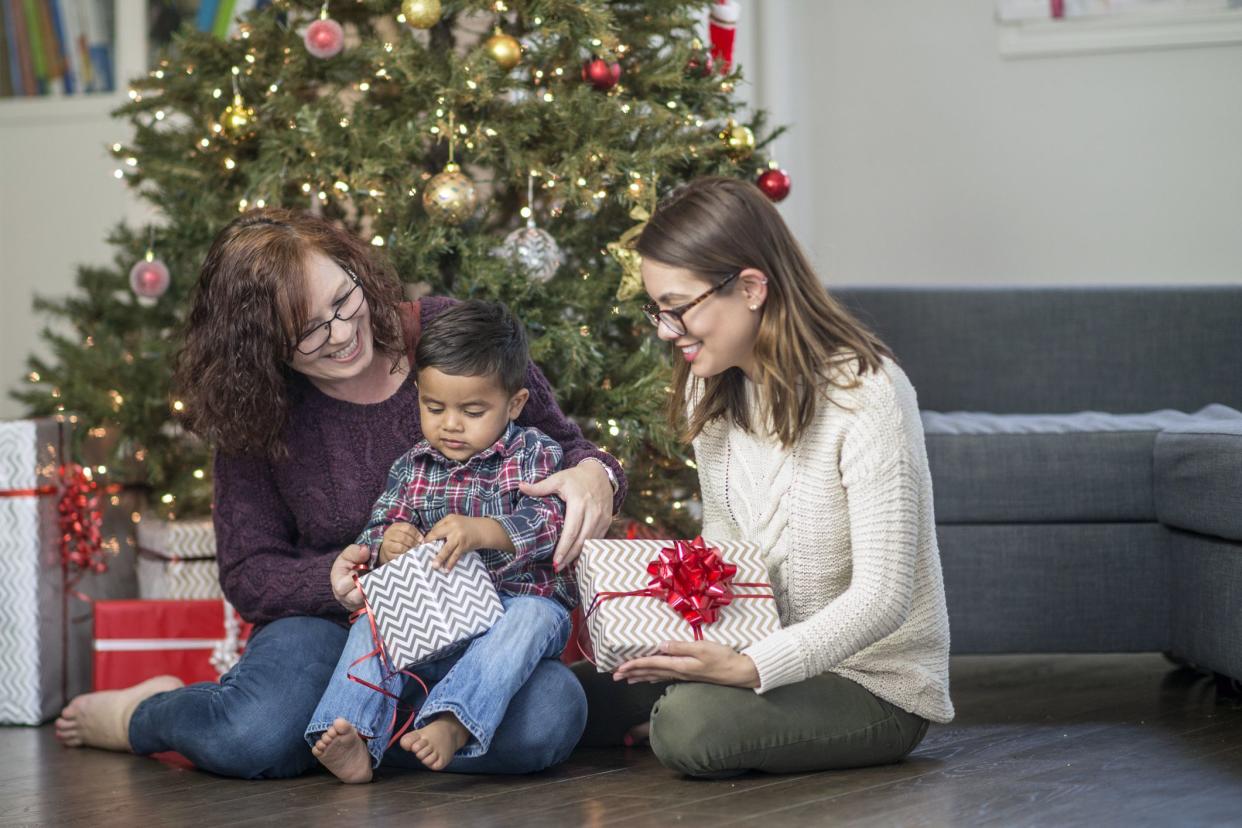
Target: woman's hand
(342, 576)
(704, 661)
(588, 506)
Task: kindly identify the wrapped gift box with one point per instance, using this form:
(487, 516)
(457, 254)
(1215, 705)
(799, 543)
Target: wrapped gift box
(422, 614)
(45, 629)
(177, 559)
(137, 640)
(628, 613)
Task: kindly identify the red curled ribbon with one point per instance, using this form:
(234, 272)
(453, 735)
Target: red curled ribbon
(79, 521)
(693, 579)
(81, 544)
(387, 668)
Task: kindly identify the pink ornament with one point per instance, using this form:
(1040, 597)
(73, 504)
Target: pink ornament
(324, 38)
(601, 74)
(149, 279)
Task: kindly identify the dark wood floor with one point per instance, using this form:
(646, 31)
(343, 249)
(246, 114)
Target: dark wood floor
(1039, 740)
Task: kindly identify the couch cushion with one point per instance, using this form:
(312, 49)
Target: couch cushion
(1087, 466)
(1198, 477)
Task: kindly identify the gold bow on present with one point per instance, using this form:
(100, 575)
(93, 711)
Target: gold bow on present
(630, 260)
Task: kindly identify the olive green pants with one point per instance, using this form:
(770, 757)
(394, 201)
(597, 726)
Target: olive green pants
(824, 723)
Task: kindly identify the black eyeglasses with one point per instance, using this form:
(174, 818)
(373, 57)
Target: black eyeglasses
(346, 309)
(672, 318)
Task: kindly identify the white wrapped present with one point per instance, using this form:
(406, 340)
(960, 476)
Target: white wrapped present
(177, 560)
(46, 568)
(638, 594)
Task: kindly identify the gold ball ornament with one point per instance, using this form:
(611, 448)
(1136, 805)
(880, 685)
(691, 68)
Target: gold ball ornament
(421, 14)
(739, 139)
(238, 119)
(504, 49)
(450, 197)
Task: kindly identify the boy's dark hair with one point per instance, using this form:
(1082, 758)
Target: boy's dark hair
(473, 339)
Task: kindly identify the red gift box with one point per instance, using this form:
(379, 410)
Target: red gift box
(137, 640)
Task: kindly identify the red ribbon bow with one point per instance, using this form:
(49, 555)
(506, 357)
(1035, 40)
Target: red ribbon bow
(693, 579)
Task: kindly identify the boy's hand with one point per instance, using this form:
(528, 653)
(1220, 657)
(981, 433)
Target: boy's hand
(399, 538)
(344, 589)
(462, 534)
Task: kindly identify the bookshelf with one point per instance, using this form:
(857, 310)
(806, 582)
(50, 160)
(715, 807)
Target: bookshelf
(129, 60)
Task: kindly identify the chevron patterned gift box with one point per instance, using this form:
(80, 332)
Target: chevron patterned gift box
(642, 593)
(422, 614)
(45, 629)
(177, 559)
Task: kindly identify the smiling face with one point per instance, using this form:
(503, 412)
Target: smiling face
(350, 349)
(721, 330)
(464, 415)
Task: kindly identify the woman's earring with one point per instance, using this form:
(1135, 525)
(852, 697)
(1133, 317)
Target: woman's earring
(754, 307)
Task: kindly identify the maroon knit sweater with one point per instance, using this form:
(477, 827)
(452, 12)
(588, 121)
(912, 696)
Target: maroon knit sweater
(280, 525)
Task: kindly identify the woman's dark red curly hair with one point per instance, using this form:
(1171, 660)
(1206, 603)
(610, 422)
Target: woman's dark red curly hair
(232, 372)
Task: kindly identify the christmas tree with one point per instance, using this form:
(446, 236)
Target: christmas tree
(503, 150)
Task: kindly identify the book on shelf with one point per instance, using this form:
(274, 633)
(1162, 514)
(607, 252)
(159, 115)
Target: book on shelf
(55, 48)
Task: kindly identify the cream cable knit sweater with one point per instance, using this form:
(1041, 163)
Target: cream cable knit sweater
(845, 519)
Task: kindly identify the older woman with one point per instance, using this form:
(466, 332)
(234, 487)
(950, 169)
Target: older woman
(296, 367)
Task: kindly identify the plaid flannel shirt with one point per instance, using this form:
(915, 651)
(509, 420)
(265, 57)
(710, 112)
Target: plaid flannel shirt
(424, 486)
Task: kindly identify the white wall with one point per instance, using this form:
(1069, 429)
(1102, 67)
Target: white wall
(920, 155)
(58, 200)
(917, 153)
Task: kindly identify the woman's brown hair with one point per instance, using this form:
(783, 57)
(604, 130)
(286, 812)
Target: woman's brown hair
(249, 306)
(717, 227)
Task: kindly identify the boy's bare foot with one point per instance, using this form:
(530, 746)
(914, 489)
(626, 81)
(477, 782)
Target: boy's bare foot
(341, 750)
(102, 719)
(435, 744)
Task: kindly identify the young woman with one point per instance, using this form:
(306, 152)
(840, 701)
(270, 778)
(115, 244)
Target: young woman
(808, 440)
(296, 367)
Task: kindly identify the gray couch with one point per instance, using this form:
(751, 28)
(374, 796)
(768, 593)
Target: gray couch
(1085, 446)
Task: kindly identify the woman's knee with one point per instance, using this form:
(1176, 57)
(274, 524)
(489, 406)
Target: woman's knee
(686, 729)
(561, 712)
(256, 717)
(254, 739)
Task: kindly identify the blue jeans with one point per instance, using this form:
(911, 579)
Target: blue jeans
(475, 683)
(251, 724)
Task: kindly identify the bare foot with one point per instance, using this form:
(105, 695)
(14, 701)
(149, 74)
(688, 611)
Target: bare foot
(102, 719)
(435, 744)
(344, 752)
(638, 734)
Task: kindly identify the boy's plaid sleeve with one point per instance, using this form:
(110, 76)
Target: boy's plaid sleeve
(534, 524)
(395, 505)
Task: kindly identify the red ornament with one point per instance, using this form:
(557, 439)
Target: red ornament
(324, 38)
(701, 64)
(149, 278)
(775, 184)
(601, 74)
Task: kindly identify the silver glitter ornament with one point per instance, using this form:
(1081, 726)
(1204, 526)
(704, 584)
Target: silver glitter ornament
(532, 248)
